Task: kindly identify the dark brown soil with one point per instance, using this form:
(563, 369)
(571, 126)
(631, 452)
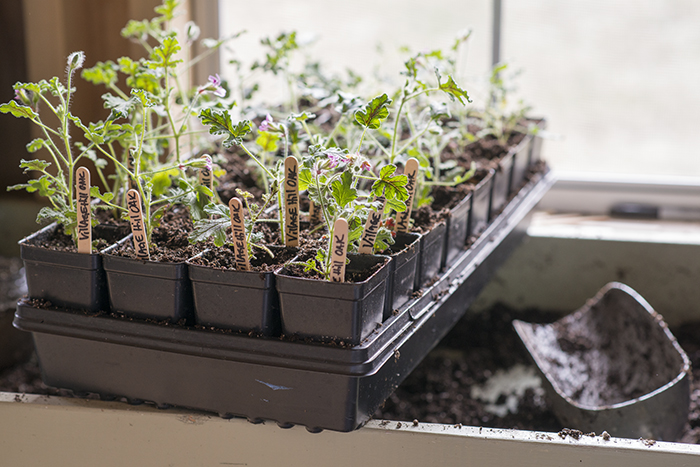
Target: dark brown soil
(239, 174)
(351, 275)
(169, 240)
(223, 258)
(103, 236)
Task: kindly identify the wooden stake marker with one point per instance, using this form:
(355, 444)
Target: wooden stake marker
(205, 176)
(369, 235)
(291, 201)
(133, 203)
(314, 214)
(82, 198)
(130, 164)
(403, 218)
(240, 246)
(339, 250)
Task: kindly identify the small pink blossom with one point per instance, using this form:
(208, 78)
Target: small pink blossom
(265, 125)
(366, 165)
(214, 86)
(336, 159)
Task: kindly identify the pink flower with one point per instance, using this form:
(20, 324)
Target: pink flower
(265, 125)
(366, 165)
(214, 86)
(336, 159)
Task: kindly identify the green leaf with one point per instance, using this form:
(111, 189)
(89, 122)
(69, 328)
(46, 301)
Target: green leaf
(373, 113)
(36, 164)
(95, 193)
(102, 73)
(396, 205)
(163, 56)
(206, 228)
(167, 9)
(453, 90)
(36, 144)
(220, 124)
(42, 185)
(389, 185)
(267, 141)
(302, 117)
(342, 190)
(18, 110)
(119, 107)
(305, 179)
(162, 181)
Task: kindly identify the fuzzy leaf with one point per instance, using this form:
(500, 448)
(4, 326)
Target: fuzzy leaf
(205, 228)
(305, 179)
(106, 197)
(374, 112)
(119, 107)
(389, 185)
(36, 164)
(302, 117)
(342, 190)
(102, 73)
(454, 91)
(220, 124)
(163, 56)
(18, 110)
(267, 141)
(35, 145)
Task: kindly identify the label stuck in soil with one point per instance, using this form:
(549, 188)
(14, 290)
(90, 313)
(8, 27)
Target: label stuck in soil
(339, 250)
(240, 246)
(374, 221)
(206, 177)
(403, 219)
(133, 203)
(291, 201)
(82, 197)
(314, 213)
(130, 165)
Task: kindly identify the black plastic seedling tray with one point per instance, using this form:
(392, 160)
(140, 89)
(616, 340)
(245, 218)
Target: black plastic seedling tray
(320, 386)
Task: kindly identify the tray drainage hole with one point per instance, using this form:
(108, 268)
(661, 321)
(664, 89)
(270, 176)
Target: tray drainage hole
(107, 397)
(314, 429)
(135, 401)
(227, 416)
(256, 421)
(164, 406)
(285, 425)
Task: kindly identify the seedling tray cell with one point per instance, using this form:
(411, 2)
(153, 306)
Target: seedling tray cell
(292, 382)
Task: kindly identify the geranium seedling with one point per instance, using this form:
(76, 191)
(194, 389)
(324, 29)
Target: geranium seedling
(403, 218)
(82, 198)
(291, 201)
(240, 245)
(339, 250)
(369, 235)
(133, 201)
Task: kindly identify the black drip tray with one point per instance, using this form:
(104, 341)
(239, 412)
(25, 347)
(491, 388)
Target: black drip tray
(321, 386)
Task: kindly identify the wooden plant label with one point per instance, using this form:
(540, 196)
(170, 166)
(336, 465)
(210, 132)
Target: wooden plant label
(82, 197)
(133, 203)
(314, 213)
(206, 178)
(403, 218)
(291, 201)
(339, 250)
(240, 247)
(130, 165)
(374, 221)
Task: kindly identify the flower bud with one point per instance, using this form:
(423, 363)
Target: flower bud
(76, 60)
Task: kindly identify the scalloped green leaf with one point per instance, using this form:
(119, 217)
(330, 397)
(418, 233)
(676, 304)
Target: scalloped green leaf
(374, 112)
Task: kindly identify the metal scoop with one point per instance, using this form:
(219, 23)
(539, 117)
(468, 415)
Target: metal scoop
(613, 366)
